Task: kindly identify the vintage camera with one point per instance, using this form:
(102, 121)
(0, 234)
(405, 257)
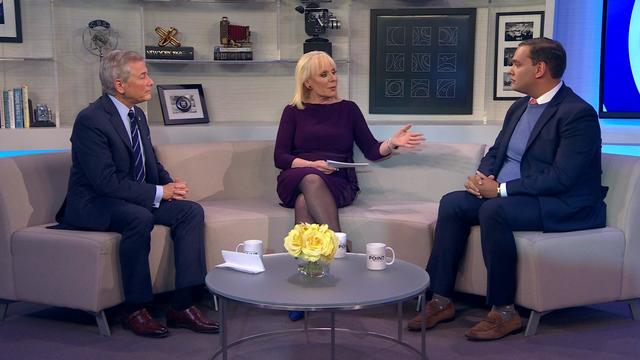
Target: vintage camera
(316, 22)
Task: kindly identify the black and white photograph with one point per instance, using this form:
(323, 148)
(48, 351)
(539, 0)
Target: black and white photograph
(10, 22)
(506, 81)
(508, 55)
(183, 104)
(511, 29)
(518, 31)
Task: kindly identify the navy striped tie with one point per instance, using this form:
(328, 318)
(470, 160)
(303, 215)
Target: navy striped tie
(137, 148)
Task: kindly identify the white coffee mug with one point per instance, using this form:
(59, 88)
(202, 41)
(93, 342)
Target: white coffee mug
(253, 247)
(376, 256)
(342, 245)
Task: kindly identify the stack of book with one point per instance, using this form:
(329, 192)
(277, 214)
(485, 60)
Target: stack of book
(232, 53)
(16, 109)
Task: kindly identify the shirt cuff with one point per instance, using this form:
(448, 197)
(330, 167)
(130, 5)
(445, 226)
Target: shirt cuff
(159, 193)
(503, 189)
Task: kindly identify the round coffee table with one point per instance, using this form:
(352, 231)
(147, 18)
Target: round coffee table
(348, 286)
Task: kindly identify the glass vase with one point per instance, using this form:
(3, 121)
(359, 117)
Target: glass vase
(315, 269)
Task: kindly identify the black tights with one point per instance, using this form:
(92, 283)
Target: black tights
(316, 204)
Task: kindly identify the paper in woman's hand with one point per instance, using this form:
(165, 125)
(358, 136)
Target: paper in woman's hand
(340, 164)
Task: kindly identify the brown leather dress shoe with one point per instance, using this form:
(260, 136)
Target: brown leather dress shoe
(141, 323)
(493, 327)
(435, 315)
(193, 320)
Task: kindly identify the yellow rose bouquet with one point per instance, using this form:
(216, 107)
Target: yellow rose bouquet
(314, 244)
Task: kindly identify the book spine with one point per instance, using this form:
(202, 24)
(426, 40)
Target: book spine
(233, 56)
(12, 110)
(17, 102)
(2, 118)
(5, 106)
(232, 49)
(25, 106)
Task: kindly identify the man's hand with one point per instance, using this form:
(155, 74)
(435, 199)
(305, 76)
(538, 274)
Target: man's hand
(486, 185)
(175, 191)
(481, 185)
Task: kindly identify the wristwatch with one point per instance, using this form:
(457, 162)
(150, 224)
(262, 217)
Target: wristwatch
(498, 193)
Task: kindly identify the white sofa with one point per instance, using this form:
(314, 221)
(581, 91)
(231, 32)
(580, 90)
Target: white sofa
(235, 183)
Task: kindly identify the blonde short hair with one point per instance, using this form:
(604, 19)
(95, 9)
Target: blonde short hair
(307, 65)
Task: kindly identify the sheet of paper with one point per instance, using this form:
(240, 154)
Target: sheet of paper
(340, 164)
(242, 262)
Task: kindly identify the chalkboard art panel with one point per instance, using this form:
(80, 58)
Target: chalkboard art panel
(421, 61)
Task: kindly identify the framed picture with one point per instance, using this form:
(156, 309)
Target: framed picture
(511, 29)
(421, 61)
(183, 104)
(10, 24)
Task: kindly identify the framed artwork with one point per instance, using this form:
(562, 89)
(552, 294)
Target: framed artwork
(421, 61)
(183, 104)
(10, 24)
(511, 29)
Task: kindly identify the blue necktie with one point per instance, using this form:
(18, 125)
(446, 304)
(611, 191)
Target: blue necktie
(137, 148)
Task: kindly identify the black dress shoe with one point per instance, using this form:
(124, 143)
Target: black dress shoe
(141, 323)
(193, 320)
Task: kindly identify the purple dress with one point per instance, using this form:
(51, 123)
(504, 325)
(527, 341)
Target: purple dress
(322, 132)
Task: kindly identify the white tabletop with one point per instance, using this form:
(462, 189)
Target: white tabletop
(348, 286)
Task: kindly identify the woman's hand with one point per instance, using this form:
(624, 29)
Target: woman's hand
(406, 138)
(322, 166)
(318, 164)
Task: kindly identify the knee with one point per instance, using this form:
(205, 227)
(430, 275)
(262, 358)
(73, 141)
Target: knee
(143, 220)
(451, 203)
(194, 211)
(490, 211)
(311, 181)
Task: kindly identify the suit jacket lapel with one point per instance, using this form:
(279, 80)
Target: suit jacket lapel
(116, 121)
(547, 114)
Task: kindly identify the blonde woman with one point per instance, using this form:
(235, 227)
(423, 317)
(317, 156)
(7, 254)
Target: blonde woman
(317, 126)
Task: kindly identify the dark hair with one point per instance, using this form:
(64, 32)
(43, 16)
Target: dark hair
(548, 51)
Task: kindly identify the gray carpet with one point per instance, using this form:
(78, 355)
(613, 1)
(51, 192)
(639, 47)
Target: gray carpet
(597, 332)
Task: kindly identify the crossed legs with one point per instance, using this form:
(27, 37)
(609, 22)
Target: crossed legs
(315, 203)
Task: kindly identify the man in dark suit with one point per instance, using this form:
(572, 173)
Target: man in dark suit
(542, 173)
(117, 184)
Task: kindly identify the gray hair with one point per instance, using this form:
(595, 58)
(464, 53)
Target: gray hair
(115, 65)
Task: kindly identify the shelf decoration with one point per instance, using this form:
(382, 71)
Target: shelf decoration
(10, 23)
(235, 42)
(99, 37)
(169, 47)
(183, 104)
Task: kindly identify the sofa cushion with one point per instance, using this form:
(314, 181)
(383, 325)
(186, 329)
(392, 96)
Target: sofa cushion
(555, 270)
(229, 222)
(80, 269)
(403, 225)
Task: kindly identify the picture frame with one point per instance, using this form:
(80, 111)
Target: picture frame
(10, 22)
(511, 29)
(183, 104)
(422, 61)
